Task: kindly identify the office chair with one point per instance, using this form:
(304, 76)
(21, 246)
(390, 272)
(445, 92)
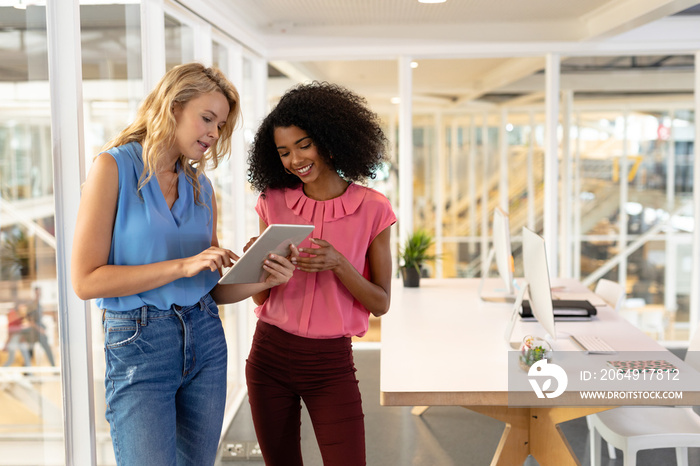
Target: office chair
(633, 428)
(612, 292)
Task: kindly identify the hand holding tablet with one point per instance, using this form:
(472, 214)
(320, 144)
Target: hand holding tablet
(274, 240)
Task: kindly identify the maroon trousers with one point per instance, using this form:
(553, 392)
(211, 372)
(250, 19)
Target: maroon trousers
(283, 369)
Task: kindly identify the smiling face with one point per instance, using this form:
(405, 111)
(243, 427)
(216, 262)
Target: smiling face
(300, 155)
(199, 122)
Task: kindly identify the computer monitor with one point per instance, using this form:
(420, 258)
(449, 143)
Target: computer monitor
(501, 246)
(537, 284)
(503, 254)
(537, 277)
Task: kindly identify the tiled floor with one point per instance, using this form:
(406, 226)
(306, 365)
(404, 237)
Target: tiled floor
(443, 436)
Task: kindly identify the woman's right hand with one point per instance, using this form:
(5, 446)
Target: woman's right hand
(279, 268)
(212, 258)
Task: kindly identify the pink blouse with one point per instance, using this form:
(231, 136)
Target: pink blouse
(317, 305)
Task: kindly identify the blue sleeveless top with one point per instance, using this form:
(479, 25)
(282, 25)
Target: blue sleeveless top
(146, 231)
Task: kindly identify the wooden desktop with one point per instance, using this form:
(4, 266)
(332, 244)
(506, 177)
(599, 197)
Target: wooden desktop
(442, 345)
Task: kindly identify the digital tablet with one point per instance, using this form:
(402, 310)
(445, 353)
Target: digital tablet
(275, 239)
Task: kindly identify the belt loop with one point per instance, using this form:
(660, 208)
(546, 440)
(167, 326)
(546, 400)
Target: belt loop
(144, 316)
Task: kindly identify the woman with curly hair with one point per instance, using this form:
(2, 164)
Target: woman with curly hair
(145, 247)
(306, 158)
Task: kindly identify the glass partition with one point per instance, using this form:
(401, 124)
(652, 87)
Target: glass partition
(225, 179)
(219, 53)
(31, 413)
(179, 42)
(653, 146)
(630, 149)
(425, 177)
(112, 91)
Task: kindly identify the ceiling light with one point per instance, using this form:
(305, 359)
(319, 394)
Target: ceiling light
(395, 100)
(414, 64)
(432, 1)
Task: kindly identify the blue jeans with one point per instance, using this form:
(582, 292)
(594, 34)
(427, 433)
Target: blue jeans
(165, 384)
(14, 344)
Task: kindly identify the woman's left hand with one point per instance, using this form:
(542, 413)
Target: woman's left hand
(324, 257)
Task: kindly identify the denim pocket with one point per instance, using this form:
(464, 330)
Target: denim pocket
(212, 309)
(121, 333)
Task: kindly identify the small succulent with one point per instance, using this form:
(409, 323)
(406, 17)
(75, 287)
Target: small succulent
(532, 350)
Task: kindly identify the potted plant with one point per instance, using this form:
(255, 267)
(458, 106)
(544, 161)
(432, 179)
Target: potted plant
(413, 254)
(532, 350)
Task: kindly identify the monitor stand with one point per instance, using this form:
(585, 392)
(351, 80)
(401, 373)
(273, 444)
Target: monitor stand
(508, 335)
(499, 295)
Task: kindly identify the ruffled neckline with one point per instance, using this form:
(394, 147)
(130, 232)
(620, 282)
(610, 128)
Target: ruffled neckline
(333, 209)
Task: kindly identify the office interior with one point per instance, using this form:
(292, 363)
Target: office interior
(577, 118)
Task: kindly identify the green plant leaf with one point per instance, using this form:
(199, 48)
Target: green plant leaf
(415, 250)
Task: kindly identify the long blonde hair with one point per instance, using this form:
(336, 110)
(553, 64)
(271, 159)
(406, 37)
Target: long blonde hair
(154, 127)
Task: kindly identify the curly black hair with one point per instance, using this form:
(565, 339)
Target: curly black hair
(339, 123)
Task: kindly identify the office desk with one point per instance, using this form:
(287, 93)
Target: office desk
(441, 345)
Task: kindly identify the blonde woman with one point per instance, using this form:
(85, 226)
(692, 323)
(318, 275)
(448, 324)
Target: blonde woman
(146, 249)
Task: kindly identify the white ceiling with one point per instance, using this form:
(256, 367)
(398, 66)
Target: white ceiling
(476, 50)
(470, 53)
(285, 21)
